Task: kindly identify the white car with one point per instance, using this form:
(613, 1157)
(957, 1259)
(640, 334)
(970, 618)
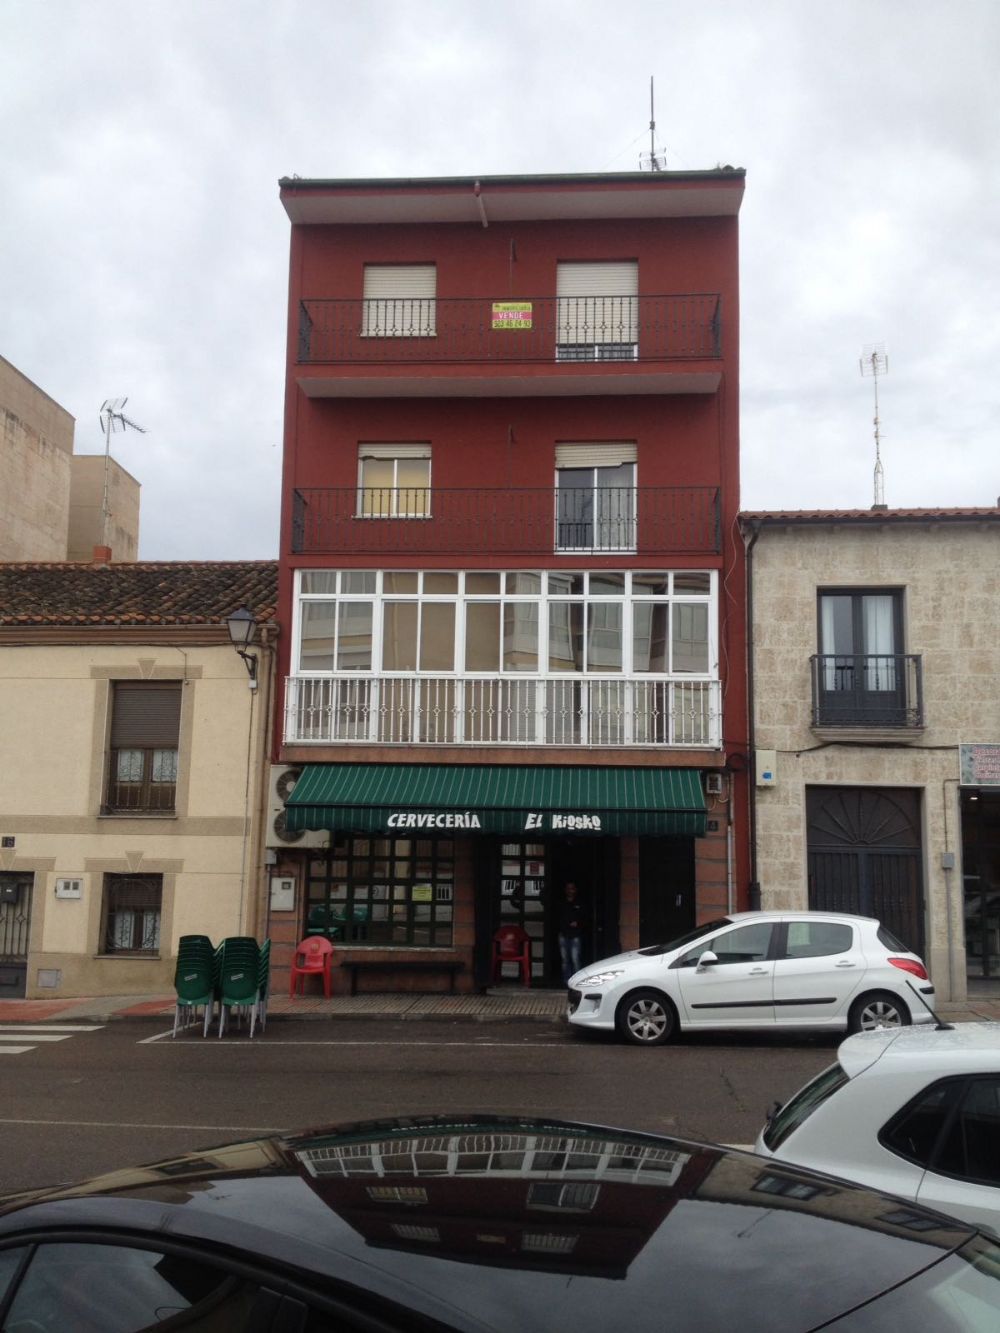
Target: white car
(795, 970)
(912, 1112)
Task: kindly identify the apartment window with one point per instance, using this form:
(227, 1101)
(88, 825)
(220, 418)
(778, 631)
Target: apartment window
(394, 481)
(597, 311)
(861, 673)
(399, 301)
(130, 917)
(142, 767)
(596, 497)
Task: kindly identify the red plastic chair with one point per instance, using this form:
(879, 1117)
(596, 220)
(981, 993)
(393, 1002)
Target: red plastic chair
(313, 957)
(512, 944)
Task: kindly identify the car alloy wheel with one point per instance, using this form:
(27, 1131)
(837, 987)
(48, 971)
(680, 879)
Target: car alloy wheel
(645, 1018)
(873, 1012)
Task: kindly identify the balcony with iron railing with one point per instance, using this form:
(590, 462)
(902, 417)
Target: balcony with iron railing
(556, 710)
(867, 692)
(550, 343)
(646, 521)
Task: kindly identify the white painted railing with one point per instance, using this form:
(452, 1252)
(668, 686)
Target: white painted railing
(552, 710)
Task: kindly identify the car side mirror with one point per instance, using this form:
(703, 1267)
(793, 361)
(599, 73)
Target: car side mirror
(707, 959)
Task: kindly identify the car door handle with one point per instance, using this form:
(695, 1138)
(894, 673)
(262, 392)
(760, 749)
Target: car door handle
(759, 972)
(846, 963)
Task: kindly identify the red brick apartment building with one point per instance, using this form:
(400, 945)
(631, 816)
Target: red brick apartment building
(511, 582)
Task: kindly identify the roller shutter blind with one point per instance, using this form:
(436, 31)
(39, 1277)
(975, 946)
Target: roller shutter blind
(598, 302)
(145, 715)
(399, 301)
(596, 455)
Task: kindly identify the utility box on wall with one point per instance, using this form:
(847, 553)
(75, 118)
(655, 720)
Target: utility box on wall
(282, 893)
(765, 767)
(69, 888)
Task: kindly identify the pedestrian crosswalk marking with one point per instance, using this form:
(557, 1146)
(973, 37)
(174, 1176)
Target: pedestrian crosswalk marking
(38, 1033)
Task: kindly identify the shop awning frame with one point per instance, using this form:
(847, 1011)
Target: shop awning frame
(526, 801)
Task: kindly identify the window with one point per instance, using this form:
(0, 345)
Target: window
(797, 1111)
(95, 1288)
(130, 919)
(384, 891)
(399, 301)
(142, 769)
(597, 311)
(595, 497)
(745, 944)
(394, 481)
(971, 1145)
(817, 939)
(861, 674)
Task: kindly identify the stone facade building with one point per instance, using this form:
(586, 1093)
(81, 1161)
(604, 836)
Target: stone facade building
(875, 709)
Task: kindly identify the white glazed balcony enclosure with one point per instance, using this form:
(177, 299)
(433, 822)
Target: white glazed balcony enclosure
(505, 658)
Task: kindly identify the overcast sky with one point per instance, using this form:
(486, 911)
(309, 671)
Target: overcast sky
(143, 248)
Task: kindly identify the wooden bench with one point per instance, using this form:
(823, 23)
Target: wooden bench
(356, 965)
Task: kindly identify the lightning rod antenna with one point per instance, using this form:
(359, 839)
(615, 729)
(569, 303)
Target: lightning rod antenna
(875, 362)
(654, 161)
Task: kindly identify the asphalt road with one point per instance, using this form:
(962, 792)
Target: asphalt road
(91, 1101)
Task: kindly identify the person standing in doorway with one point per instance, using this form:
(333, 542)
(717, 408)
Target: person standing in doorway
(569, 924)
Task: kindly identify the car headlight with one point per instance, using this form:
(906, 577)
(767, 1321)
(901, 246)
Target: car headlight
(601, 978)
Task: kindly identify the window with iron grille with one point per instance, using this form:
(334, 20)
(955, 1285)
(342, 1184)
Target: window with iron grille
(130, 916)
(142, 760)
(385, 891)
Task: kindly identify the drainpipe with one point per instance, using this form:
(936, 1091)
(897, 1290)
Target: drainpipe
(754, 886)
(477, 190)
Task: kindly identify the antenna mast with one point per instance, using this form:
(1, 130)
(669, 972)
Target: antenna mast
(875, 362)
(655, 161)
(112, 418)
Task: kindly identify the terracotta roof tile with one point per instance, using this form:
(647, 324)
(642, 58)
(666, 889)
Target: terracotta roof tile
(142, 593)
(868, 515)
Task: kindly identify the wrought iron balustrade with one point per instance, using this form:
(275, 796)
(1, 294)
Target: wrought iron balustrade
(650, 520)
(867, 690)
(429, 330)
(555, 710)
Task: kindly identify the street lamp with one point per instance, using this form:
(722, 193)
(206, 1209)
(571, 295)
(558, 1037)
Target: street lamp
(242, 625)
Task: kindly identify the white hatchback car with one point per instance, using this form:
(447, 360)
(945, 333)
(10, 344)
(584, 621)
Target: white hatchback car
(795, 970)
(915, 1113)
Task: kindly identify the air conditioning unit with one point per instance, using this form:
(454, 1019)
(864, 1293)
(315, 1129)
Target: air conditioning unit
(283, 780)
(713, 784)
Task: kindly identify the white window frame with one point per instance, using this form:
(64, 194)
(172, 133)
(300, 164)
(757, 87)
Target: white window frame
(394, 454)
(597, 310)
(399, 301)
(596, 456)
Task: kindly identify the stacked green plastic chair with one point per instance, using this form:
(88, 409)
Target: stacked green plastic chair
(263, 987)
(194, 980)
(237, 982)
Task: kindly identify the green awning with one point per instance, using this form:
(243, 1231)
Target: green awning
(407, 799)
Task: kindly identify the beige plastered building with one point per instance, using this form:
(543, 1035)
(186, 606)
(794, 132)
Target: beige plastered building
(133, 747)
(875, 679)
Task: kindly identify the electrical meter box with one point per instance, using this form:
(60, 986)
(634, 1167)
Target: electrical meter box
(766, 771)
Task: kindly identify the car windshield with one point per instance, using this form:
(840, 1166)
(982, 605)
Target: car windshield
(802, 1105)
(689, 938)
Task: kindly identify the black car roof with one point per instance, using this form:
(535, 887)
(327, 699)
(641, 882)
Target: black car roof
(488, 1221)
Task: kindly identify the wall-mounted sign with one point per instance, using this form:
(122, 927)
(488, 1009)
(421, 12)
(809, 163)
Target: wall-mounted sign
(422, 893)
(979, 765)
(512, 314)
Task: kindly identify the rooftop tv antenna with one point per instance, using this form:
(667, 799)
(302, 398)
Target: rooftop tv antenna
(113, 418)
(875, 362)
(653, 161)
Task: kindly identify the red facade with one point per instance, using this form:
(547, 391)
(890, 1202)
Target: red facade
(507, 392)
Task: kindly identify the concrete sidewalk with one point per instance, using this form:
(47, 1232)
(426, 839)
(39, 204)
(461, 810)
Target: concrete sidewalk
(511, 1003)
(539, 1006)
